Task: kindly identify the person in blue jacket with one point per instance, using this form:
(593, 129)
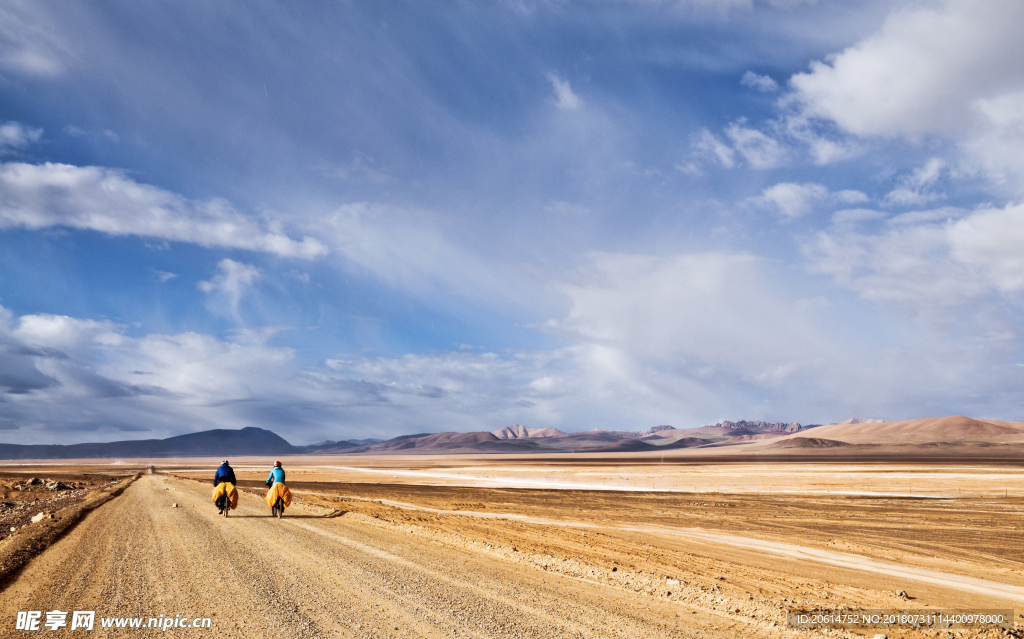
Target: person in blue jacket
(224, 474)
(276, 475)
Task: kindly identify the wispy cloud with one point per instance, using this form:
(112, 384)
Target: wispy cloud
(231, 283)
(565, 99)
(29, 41)
(106, 200)
(15, 135)
(762, 83)
(791, 200)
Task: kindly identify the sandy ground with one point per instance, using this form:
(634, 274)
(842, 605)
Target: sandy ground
(361, 559)
(678, 472)
(23, 497)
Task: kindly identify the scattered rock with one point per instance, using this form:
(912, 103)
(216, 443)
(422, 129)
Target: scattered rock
(174, 505)
(38, 517)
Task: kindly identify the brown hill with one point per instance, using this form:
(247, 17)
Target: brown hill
(951, 429)
(637, 445)
(807, 442)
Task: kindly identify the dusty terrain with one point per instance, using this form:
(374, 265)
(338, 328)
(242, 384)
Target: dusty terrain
(441, 549)
(24, 496)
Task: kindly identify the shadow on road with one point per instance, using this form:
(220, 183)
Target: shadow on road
(327, 516)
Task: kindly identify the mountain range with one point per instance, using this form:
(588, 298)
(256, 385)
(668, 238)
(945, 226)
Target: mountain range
(741, 436)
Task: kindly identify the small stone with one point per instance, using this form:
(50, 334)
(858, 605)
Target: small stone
(174, 505)
(38, 518)
(880, 637)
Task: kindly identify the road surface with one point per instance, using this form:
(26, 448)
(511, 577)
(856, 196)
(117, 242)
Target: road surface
(312, 576)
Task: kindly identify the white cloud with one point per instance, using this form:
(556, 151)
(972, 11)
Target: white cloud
(164, 276)
(996, 148)
(948, 69)
(776, 144)
(79, 132)
(922, 71)
(708, 147)
(917, 189)
(232, 281)
(928, 262)
(760, 150)
(66, 375)
(792, 200)
(564, 96)
(407, 249)
(100, 199)
(825, 145)
(63, 332)
(15, 135)
(854, 216)
(29, 43)
(992, 240)
(850, 196)
(686, 318)
(762, 83)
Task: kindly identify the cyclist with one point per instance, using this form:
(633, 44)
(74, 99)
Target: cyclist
(224, 474)
(276, 475)
(278, 497)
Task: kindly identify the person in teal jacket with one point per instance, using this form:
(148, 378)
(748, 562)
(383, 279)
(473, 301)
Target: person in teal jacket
(276, 475)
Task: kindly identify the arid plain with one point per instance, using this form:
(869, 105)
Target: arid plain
(684, 544)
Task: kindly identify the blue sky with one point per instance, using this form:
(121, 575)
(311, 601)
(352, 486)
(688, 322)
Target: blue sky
(354, 219)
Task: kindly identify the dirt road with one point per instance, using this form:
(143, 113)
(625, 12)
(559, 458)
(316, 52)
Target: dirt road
(316, 576)
(989, 588)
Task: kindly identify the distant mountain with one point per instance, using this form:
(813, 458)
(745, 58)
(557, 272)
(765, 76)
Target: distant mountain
(209, 443)
(520, 439)
(951, 429)
(744, 427)
(517, 431)
(426, 443)
(331, 446)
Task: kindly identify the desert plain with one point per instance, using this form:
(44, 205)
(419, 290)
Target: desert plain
(684, 543)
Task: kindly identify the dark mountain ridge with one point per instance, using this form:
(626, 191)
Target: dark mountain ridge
(210, 443)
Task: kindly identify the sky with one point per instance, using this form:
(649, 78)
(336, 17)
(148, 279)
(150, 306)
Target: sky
(357, 219)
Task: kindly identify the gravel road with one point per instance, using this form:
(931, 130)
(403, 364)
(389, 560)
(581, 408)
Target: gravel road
(315, 576)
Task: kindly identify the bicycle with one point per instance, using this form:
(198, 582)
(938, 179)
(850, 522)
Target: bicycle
(277, 510)
(224, 503)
